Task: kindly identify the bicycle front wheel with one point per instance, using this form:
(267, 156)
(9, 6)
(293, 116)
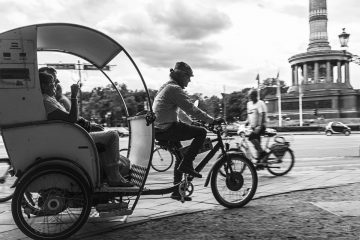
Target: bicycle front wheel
(280, 164)
(162, 160)
(234, 182)
(6, 181)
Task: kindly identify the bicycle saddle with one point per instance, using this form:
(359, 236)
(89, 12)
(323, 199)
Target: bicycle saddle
(168, 144)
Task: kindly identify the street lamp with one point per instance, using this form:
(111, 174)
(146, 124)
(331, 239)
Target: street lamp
(344, 38)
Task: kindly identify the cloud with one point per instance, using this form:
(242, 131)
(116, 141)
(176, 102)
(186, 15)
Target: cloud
(187, 22)
(163, 54)
(161, 36)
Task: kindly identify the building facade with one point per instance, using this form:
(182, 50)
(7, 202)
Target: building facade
(320, 75)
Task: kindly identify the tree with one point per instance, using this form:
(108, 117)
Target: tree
(236, 106)
(269, 87)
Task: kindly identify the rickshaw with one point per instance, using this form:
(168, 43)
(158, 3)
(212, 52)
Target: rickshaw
(59, 178)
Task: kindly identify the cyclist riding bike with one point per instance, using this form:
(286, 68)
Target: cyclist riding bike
(256, 117)
(170, 98)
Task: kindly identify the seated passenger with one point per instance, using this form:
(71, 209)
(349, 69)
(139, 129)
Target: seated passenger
(55, 111)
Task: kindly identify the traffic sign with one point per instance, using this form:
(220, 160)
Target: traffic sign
(61, 65)
(92, 67)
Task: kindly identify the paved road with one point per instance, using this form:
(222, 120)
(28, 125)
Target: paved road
(310, 172)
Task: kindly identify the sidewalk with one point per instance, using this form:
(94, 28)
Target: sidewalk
(319, 214)
(273, 209)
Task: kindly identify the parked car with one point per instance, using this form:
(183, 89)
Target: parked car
(122, 131)
(337, 127)
(246, 130)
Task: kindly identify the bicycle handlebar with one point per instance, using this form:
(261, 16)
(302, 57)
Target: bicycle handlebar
(215, 128)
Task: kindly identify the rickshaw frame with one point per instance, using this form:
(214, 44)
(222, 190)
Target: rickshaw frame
(23, 122)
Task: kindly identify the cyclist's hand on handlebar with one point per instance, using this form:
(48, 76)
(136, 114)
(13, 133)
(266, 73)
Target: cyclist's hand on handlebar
(218, 121)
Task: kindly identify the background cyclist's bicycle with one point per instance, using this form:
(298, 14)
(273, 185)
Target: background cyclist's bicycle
(162, 159)
(6, 180)
(279, 159)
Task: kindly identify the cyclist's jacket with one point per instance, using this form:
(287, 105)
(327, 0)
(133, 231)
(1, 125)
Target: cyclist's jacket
(167, 102)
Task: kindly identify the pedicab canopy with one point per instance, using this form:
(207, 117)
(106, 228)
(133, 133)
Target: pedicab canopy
(20, 95)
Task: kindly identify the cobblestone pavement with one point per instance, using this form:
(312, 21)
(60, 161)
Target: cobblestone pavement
(293, 215)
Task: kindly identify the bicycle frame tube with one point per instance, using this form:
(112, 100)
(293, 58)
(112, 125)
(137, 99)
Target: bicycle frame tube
(210, 155)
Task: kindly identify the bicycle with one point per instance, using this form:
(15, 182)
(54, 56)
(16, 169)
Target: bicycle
(162, 160)
(233, 177)
(279, 159)
(7, 180)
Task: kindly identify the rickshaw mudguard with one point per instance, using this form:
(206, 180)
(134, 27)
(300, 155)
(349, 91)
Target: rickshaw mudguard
(230, 153)
(53, 163)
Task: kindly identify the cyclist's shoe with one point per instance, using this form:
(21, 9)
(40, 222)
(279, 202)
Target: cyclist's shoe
(177, 196)
(259, 167)
(189, 170)
(262, 157)
(262, 162)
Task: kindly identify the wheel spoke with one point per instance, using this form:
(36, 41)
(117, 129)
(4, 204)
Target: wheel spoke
(162, 160)
(57, 202)
(280, 164)
(6, 181)
(235, 187)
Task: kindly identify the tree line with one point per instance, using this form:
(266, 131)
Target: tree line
(104, 105)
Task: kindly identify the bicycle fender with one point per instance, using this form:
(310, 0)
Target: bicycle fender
(220, 158)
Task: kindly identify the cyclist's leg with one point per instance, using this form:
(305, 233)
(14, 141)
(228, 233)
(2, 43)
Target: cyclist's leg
(180, 132)
(255, 139)
(198, 134)
(167, 136)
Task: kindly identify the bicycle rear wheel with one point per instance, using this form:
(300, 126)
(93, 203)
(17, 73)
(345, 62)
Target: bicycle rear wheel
(6, 181)
(234, 188)
(280, 164)
(162, 160)
(51, 203)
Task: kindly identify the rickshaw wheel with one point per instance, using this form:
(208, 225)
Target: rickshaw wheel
(51, 203)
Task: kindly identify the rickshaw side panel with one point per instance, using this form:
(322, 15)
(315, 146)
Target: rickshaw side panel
(52, 140)
(140, 153)
(20, 94)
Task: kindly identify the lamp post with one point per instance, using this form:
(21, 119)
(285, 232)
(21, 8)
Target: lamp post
(344, 38)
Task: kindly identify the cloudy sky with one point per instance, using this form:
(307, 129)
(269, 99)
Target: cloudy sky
(227, 42)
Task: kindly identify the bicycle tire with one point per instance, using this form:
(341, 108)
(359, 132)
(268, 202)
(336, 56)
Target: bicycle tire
(162, 160)
(284, 166)
(54, 208)
(6, 181)
(243, 181)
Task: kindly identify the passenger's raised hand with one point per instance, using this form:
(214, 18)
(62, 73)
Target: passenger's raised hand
(74, 90)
